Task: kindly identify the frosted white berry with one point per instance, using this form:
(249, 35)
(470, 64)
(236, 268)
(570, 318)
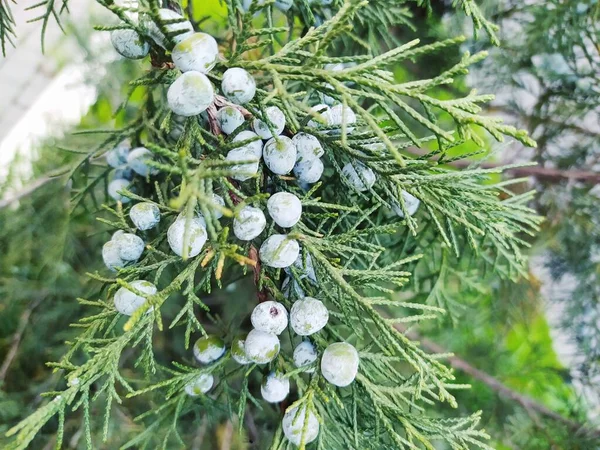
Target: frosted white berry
(229, 119)
(270, 316)
(117, 185)
(279, 155)
(243, 172)
(255, 146)
(200, 385)
(308, 316)
(217, 200)
(131, 246)
(293, 425)
(279, 251)
(238, 352)
(111, 256)
(305, 266)
(238, 85)
(198, 52)
(195, 238)
(284, 5)
(144, 215)
(275, 387)
(117, 157)
(209, 348)
(261, 347)
(359, 176)
(322, 111)
(190, 94)
(167, 15)
(309, 171)
(129, 43)
(127, 302)
(249, 223)
(339, 364)
(410, 201)
(138, 161)
(338, 114)
(307, 147)
(305, 354)
(277, 123)
(285, 209)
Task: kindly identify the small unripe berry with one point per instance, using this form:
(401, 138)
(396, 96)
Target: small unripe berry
(238, 86)
(308, 316)
(198, 52)
(238, 352)
(243, 172)
(279, 251)
(362, 180)
(277, 123)
(111, 256)
(117, 185)
(249, 223)
(229, 119)
(144, 215)
(200, 385)
(410, 201)
(129, 43)
(275, 387)
(138, 161)
(127, 302)
(307, 147)
(117, 157)
(261, 347)
(270, 316)
(131, 246)
(167, 15)
(309, 171)
(190, 94)
(285, 209)
(255, 146)
(305, 354)
(279, 155)
(209, 348)
(293, 425)
(195, 238)
(339, 364)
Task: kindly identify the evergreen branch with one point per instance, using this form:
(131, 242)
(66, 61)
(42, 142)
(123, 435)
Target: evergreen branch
(7, 24)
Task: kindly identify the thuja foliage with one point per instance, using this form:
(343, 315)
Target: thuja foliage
(372, 256)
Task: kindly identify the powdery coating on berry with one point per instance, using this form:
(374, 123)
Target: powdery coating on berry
(144, 215)
(131, 246)
(309, 171)
(190, 94)
(321, 111)
(209, 348)
(256, 146)
(138, 161)
(116, 234)
(338, 114)
(279, 155)
(238, 85)
(308, 147)
(362, 180)
(410, 201)
(129, 43)
(118, 185)
(275, 387)
(111, 256)
(243, 172)
(279, 251)
(305, 354)
(127, 302)
(293, 425)
(229, 119)
(167, 15)
(285, 209)
(270, 316)
(261, 347)
(284, 5)
(195, 238)
(117, 157)
(308, 316)
(249, 223)
(200, 385)
(277, 123)
(217, 200)
(198, 52)
(238, 352)
(339, 364)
